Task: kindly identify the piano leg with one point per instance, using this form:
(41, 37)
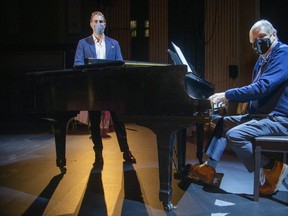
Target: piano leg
(59, 122)
(163, 133)
(181, 153)
(165, 156)
(60, 144)
(163, 129)
(200, 140)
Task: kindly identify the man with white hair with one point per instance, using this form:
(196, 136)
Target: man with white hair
(267, 116)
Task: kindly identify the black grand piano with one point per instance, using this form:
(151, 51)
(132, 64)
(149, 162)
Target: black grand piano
(157, 96)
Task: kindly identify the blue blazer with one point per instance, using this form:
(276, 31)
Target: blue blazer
(86, 49)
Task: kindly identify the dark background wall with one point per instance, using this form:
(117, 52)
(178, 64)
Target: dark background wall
(276, 12)
(55, 26)
(186, 30)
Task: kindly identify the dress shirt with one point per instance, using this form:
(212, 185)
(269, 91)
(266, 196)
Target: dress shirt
(100, 48)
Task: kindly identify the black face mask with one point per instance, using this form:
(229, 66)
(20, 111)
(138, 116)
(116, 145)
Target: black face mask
(261, 45)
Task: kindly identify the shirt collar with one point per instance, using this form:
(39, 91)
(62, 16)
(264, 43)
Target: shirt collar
(95, 39)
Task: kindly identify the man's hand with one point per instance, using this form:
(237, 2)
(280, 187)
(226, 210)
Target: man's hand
(218, 98)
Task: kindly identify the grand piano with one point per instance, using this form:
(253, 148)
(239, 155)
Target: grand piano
(156, 96)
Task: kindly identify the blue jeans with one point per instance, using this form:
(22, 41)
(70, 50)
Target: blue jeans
(238, 133)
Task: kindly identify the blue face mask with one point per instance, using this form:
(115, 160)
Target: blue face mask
(99, 28)
(261, 45)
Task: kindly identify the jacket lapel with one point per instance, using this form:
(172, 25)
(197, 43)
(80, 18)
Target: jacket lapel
(92, 46)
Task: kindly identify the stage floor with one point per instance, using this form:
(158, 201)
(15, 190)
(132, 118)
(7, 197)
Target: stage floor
(31, 184)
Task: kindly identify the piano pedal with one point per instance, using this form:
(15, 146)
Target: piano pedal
(168, 207)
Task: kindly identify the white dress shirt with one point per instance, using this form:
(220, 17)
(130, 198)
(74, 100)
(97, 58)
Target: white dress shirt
(100, 48)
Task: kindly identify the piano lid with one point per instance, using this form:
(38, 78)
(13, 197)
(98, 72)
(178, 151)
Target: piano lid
(155, 90)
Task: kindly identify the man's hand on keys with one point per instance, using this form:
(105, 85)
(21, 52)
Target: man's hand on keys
(218, 99)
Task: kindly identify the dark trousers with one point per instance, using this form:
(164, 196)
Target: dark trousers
(119, 127)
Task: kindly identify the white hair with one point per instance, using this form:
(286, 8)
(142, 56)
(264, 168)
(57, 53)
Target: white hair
(263, 23)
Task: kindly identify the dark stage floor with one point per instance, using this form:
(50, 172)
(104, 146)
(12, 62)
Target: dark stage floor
(31, 184)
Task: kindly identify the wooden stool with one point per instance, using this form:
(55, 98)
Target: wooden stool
(267, 144)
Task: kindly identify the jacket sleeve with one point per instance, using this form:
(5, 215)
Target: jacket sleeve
(79, 55)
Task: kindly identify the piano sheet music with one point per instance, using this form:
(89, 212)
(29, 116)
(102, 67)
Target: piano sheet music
(181, 56)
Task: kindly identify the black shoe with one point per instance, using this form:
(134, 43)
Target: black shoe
(128, 157)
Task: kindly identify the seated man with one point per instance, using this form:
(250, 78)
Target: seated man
(268, 112)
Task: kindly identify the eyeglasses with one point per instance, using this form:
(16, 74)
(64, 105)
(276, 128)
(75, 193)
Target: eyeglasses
(98, 21)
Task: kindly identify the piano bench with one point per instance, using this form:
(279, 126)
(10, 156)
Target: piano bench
(267, 144)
